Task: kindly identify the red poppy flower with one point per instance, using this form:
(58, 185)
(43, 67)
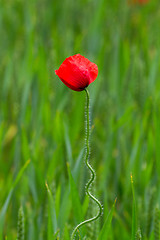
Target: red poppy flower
(140, 1)
(77, 72)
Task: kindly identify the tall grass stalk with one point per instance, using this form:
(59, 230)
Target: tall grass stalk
(157, 224)
(20, 228)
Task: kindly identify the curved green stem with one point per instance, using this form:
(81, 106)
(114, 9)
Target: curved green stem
(92, 173)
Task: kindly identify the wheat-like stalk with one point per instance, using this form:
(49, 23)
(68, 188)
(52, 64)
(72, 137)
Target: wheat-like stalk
(157, 224)
(20, 228)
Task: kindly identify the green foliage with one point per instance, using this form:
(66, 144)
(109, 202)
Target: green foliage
(8, 199)
(75, 198)
(43, 120)
(92, 228)
(52, 219)
(150, 214)
(105, 232)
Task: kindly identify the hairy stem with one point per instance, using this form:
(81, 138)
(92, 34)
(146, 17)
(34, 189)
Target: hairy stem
(91, 171)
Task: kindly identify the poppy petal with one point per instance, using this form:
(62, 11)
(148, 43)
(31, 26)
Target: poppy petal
(77, 72)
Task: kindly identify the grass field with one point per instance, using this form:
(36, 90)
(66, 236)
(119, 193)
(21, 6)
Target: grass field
(42, 126)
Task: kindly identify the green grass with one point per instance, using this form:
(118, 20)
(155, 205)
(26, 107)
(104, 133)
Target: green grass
(41, 120)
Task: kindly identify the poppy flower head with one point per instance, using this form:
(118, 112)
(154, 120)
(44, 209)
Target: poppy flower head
(77, 72)
(140, 1)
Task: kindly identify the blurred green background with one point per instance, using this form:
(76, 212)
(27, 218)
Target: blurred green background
(41, 120)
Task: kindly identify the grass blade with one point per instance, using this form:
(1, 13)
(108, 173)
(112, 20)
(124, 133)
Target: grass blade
(52, 219)
(134, 214)
(106, 227)
(5, 206)
(75, 198)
